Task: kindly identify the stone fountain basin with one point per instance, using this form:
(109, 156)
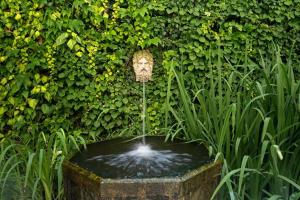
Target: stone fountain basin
(194, 183)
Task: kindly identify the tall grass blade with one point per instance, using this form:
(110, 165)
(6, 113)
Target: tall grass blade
(242, 172)
(28, 167)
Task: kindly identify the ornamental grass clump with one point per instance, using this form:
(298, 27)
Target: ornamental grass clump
(253, 126)
(32, 169)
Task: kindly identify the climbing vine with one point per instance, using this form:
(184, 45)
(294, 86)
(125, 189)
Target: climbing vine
(68, 63)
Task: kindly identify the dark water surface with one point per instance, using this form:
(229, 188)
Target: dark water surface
(124, 158)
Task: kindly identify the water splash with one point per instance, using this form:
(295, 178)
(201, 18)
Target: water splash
(143, 151)
(143, 160)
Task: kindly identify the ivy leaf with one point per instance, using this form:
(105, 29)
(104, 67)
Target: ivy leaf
(77, 38)
(125, 100)
(191, 67)
(107, 118)
(192, 57)
(97, 123)
(11, 100)
(202, 39)
(288, 2)
(119, 103)
(79, 54)
(155, 41)
(111, 125)
(45, 109)
(61, 39)
(181, 12)
(25, 94)
(2, 110)
(123, 12)
(105, 15)
(32, 103)
(143, 11)
(71, 43)
(169, 11)
(15, 88)
(119, 122)
(76, 24)
(3, 81)
(114, 115)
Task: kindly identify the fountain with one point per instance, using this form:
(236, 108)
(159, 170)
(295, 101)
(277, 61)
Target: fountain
(135, 169)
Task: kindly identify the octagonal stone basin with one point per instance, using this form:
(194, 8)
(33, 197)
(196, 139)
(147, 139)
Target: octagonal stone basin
(124, 169)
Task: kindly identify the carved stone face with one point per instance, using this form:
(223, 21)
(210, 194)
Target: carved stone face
(143, 65)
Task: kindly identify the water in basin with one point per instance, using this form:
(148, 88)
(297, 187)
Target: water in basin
(124, 158)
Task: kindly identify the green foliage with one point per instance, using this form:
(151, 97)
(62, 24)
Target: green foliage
(11, 179)
(253, 127)
(44, 163)
(32, 168)
(67, 63)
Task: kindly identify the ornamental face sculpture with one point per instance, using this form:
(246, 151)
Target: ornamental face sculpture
(143, 65)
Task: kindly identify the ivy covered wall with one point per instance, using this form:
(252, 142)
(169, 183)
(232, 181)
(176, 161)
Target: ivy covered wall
(67, 63)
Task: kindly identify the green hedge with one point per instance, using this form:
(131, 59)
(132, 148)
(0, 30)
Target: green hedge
(67, 63)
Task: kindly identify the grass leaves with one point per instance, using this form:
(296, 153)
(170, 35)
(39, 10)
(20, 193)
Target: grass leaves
(253, 126)
(38, 170)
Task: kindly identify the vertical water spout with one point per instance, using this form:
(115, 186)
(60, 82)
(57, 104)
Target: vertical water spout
(144, 113)
(143, 65)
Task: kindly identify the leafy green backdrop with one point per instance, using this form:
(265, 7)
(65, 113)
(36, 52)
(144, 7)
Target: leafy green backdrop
(67, 64)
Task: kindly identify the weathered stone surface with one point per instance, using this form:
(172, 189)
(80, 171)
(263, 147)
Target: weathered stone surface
(143, 65)
(198, 184)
